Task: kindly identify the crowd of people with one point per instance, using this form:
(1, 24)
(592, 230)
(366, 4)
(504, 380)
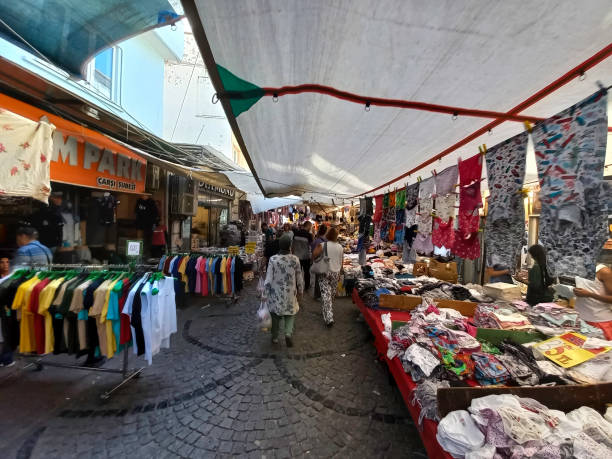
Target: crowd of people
(290, 255)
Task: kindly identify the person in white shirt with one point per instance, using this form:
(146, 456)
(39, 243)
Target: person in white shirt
(328, 282)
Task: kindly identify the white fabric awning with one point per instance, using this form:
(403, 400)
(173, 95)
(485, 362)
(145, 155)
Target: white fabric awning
(475, 54)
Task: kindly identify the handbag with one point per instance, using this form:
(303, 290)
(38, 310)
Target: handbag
(443, 271)
(321, 263)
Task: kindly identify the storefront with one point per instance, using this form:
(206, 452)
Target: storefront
(212, 214)
(99, 199)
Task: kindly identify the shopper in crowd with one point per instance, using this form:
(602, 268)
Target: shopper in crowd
(286, 230)
(4, 266)
(598, 311)
(539, 284)
(302, 241)
(319, 239)
(498, 272)
(284, 283)
(328, 282)
(31, 251)
(267, 232)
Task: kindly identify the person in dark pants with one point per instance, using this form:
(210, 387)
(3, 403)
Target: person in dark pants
(302, 240)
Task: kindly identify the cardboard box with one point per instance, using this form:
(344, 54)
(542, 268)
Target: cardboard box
(467, 308)
(401, 302)
(503, 291)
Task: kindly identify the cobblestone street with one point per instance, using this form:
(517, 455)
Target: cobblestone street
(222, 389)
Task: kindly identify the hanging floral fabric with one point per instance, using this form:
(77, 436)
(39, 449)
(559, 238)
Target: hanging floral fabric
(570, 153)
(505, 225)
(26, 148)
(385, 200)
(446, 181)
(467, 243)
(400, 198)
(392, 199)
(426, 192)
(443, 234)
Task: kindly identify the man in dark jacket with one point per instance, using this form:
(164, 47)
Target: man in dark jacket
(302, 241)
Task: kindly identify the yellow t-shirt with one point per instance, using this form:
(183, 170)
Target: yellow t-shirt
(44, 302)
(111, 344)
(224, 274)
(21, 303)
(181, 269)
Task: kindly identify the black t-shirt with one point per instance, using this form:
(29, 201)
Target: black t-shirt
(49, 223)
(147, 214)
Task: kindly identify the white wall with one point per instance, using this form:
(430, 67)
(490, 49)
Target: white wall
(199, 121)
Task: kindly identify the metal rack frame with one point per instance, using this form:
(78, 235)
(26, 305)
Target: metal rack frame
(126, 375)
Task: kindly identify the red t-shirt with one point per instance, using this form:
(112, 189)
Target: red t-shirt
(39, 320)
(159, 235)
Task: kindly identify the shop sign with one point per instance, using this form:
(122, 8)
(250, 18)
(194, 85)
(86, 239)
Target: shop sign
(233, 250)
(250, 247)
(84, 157)
(219, 190)
(81, 162)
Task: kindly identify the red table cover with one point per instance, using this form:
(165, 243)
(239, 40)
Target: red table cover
(403, 380)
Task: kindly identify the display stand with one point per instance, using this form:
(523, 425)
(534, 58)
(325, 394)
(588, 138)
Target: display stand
(126, 375)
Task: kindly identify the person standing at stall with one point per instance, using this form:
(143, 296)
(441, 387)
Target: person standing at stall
(328, 281)
(302, 240)
(4, 266)
(284, 283)
(31, 251)
(594, 302)
(538, 288)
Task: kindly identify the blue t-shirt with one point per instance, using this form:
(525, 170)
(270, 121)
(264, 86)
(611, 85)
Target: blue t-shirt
(33, 253)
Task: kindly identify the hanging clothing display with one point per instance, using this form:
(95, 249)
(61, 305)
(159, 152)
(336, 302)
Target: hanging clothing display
(467, 243)
(422, 244)
(412, 195)
(400, 199)
(205, 275)
(26, 148)
(505, 223)
(446, 181)
(88, 312)
(426, 192)
(386, 201)
(443, 234)
(570, 153)
(378, 208)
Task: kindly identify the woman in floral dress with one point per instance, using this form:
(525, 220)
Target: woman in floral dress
(284, 282)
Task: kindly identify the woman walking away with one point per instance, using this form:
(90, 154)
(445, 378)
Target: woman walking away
(318, 240)
(284, 282)
(538, 289)
(328, 281)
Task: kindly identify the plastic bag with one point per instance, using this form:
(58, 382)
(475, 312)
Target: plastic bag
(263, 314)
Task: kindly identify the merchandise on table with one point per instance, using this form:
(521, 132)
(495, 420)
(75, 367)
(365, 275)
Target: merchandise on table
(510, 426)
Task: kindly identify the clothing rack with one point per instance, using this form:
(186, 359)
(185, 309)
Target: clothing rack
(126, 375)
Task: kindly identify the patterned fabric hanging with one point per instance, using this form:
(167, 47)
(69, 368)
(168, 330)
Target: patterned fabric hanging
(467, 243)
(570, 153)
(26, 148)
(505, 225)
(412, 195)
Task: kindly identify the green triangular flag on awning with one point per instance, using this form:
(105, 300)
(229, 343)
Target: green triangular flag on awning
(242, 94)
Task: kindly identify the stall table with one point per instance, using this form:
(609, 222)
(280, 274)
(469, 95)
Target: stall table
(403, 380)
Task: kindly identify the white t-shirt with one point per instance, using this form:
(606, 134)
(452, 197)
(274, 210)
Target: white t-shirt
(590, 309)
(335, 252)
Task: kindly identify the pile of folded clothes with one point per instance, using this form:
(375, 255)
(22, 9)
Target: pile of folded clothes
(507, 426)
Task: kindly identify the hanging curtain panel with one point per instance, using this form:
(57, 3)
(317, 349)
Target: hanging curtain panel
(26, 148)
(505, 225)
(570, 152)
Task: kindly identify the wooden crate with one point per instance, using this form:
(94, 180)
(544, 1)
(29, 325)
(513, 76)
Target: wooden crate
(401, 302)
(563, 398)
(467, 308)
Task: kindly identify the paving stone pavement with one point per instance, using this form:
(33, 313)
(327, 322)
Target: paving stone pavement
(222, 389)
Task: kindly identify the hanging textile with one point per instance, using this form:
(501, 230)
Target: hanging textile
(378, 208)
(26, 148)
(467, 243)
(412, 195)
(505, 225)
(400, 198)
(426, 191)
(446, 181)
(385, 200)
(570, 153)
